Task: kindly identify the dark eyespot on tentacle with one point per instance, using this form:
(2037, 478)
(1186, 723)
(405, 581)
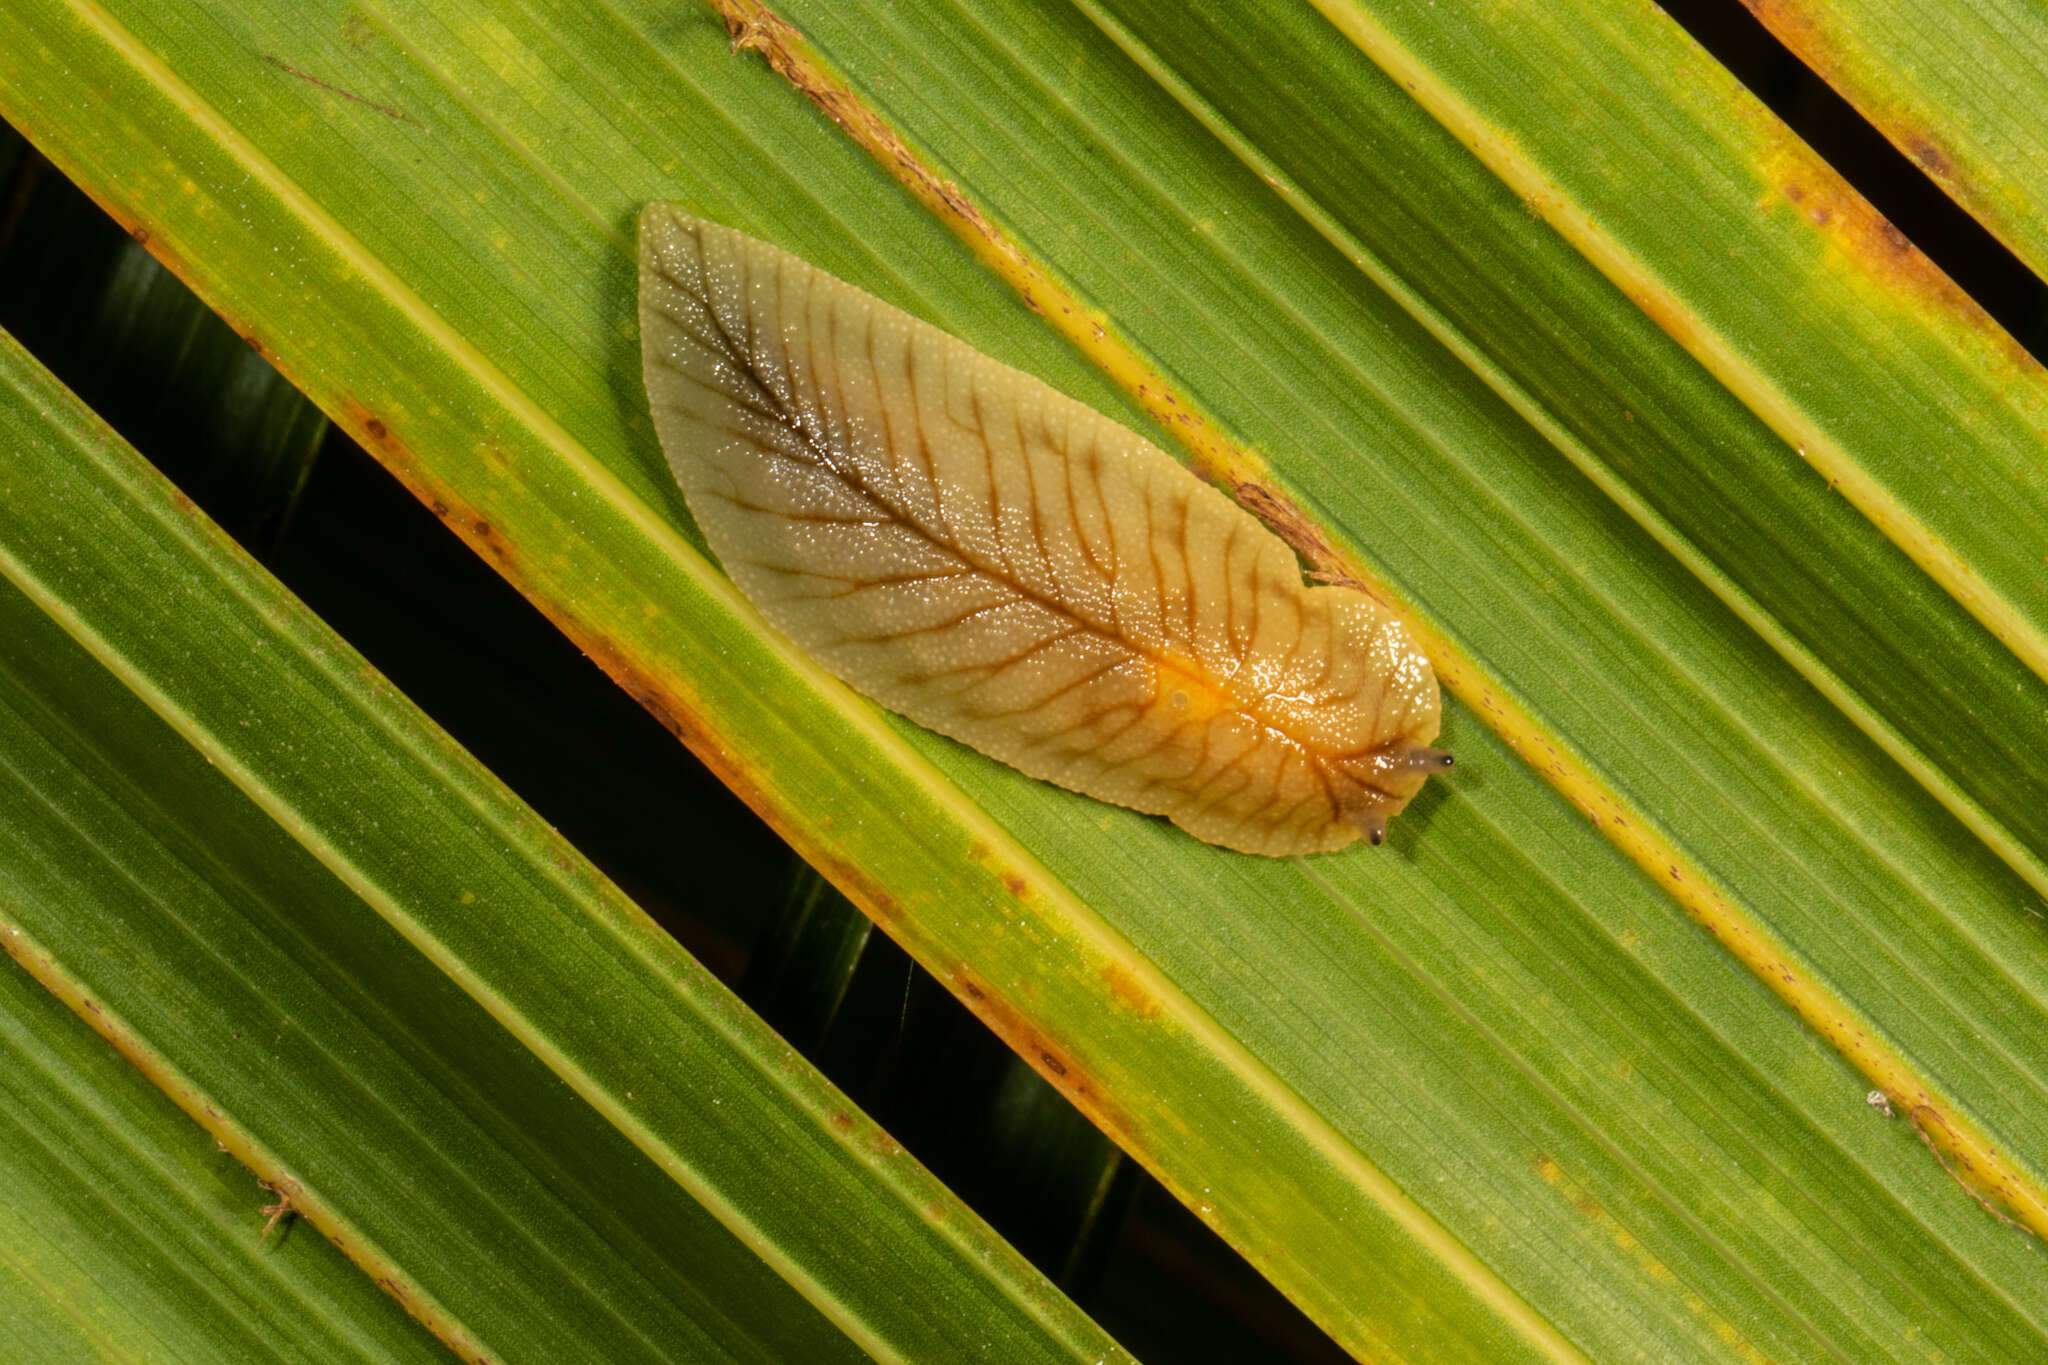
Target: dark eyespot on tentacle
(1369, 822)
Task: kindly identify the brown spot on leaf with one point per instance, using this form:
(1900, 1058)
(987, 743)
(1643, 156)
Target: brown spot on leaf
(1013, 881)
(863, 890)
(1927, 156)
(1057, 1064)
(1128, 991)
(440, 499)
(1864, 244)
(1676, 320)
(1792, 23)
(1794, 27)
(671, 704)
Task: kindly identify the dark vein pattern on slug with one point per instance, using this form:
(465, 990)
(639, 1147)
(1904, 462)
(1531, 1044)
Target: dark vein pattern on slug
(1007, 566)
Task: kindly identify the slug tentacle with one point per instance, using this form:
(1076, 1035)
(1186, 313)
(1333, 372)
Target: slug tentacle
(1369, 821)
(1007, 566)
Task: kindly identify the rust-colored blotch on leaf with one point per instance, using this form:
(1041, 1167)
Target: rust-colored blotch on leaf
(1007, 566)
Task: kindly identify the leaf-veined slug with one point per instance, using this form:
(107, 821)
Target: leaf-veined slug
(1007, 566)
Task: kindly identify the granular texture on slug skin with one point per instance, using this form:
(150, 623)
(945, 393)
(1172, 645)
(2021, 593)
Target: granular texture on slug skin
(1007, 566)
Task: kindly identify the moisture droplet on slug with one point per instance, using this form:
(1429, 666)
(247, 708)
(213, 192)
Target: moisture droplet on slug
(1007, 566)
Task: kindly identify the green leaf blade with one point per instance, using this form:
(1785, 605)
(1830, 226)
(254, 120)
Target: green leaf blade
(1502, 1031)
(1623, 401)
(1899, 355)
(127, 1232)
(1955, 88)
(251, 883)
(1688, 716)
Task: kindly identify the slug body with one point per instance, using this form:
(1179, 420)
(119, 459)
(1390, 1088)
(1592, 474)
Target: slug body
(1004, 565)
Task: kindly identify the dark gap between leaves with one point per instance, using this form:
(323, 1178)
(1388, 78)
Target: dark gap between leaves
(472, 653)
(1964, 249)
